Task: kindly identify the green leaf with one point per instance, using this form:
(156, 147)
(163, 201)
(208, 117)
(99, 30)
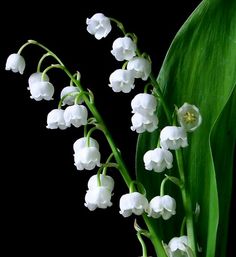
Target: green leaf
(200, 68)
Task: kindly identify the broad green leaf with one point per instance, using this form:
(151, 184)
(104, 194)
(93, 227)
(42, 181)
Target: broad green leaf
(200, 68)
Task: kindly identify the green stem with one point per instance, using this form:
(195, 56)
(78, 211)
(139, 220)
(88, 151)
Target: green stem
(162, 192)
(119, 25)
(53, 66)
(22, 47)
(155, 239)
(41, 60)
(186, 202)
(144, 248)
(107, 161)
(96, 114)
(33, 42)
(161, 97)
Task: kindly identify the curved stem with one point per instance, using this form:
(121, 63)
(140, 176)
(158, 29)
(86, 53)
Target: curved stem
(162, 192)
(144, 248)
(53, 66)
(33, 42)
(41, 60)
(186, 202)
(119, 25)
(23, 46)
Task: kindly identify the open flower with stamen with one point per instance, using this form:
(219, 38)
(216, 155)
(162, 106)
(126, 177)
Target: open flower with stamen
(162, 206)
(140, 66)
(189, 117)
(123, 48)
(172, 137)
(134, 202)
(98, 25)
(106, 181)
(76, 115)
(121, 81)
(158, 159)
(144, 103)
(69, 94)
(141, 123)
(98, 197)
(15, 63)
(55, 119)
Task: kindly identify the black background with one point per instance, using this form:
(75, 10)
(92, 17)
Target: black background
(42, 192)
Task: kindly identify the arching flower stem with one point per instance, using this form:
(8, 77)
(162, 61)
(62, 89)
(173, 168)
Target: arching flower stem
(41, 60)
(143, 245)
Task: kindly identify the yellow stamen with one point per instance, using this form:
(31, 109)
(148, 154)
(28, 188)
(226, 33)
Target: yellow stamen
(189, 117)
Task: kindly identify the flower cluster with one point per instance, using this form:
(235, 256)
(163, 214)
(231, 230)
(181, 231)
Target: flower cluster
(76, 106)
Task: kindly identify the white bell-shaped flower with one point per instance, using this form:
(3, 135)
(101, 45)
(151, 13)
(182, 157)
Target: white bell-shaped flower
(69, 93)
(87, 158)
(82, 142)
(178, 246)
(55, 119)
(134, 202)
(16, 63)
(98, 25)
(37, 77)
(121, 81)
(172, 137)
(76, 115)
(158, 159)
(123, 48)
(141, 123)
(189, 117)
(162, 206)
(140, 66)
(98, 197)
(41, 90)
(106, 181)
(144, 104)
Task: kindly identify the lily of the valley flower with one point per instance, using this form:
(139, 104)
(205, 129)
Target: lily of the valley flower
(76, 115)
(70, 93)
(141, 123)
(172, 137)
(134, 202)
(140, 66)
(158, 159)
(162, 206)
(98, 197)
(55, 119)
(123, 48)
(98, 25)
(189, 117)
(36, 77)
(106, 181)
(121, 81)
(178, 246)
(16, 63)
(144, 103)
(87, 158)
(41, 90)
(82, 142)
